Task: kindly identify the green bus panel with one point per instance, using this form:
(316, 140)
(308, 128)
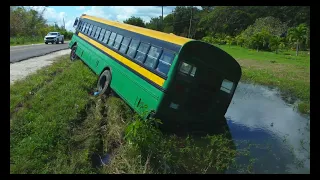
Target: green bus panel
(129, 86)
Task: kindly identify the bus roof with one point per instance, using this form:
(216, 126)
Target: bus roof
(172, 38)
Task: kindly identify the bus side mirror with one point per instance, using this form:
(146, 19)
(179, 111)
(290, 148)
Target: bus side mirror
(75, 22)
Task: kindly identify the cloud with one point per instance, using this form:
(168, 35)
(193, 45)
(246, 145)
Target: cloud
(81, 8)
(115, 13)
(98, 11)
(51, 15)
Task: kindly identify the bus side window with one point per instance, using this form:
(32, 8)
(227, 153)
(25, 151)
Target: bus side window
(124, 45)
(79, 26)
(152, 57)
(83, 27)
(87, 28)
(165, 62)
(93, 31)
(133, 48)
(118, 41)
(101, 34)
(141, 52)
(111, 39)
(90, 29)
(97, 33)
(106, 37)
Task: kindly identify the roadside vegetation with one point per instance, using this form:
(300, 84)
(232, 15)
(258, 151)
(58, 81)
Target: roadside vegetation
(28, 26)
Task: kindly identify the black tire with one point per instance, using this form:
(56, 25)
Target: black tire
(46, 42)
(62, 41)
(104, 81)
(57, 42)
(73, 55)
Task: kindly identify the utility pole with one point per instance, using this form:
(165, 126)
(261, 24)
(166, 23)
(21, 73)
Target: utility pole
(64, 25)
(162, 16)
(55, 25)
(190, 22)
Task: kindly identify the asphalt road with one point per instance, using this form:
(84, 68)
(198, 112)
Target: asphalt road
(20, 53)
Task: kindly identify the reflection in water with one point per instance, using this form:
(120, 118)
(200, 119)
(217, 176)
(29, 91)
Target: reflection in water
(259, 115)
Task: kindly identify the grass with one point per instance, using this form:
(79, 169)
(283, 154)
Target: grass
(16, 41)
(39, 130)
(56, 126)
(290, 73)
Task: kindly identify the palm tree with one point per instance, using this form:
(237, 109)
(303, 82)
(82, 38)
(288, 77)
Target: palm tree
(298, 35)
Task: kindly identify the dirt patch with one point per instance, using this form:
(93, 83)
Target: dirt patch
(22, 69)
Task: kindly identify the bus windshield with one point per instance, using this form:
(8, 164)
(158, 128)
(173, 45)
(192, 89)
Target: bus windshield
(50, 34)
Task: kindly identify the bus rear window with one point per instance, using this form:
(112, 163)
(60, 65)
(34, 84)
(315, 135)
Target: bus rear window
(165, 62)
(187, 69)
(226, 86)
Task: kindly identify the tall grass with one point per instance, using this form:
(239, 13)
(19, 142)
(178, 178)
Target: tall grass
(25, 40)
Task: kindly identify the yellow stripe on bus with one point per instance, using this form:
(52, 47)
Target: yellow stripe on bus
(144, 72)
(147, 32)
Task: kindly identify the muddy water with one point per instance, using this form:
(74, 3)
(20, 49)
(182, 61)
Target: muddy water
(278, 134)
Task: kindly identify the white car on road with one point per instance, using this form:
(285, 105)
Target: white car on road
(54, 37)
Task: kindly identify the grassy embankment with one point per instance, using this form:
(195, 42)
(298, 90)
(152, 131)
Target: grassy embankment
(56, 126)
(290, 73)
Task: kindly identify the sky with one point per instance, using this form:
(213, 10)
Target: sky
(116, 13)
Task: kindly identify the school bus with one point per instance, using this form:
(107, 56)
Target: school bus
(171, 76)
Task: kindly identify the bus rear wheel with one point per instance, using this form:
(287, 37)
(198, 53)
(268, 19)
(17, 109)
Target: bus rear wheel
(103, 84)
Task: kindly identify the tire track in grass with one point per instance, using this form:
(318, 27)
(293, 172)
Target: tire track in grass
(23, 90)
(39, 133)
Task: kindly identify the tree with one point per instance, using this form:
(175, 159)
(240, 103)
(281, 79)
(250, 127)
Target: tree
(136, 21)
(240, 40)
(276, 43)
(260, 40)
(229, 40)
(297, 35)
(155, 24)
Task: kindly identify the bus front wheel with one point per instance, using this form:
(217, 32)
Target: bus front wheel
(104, 82)
(73, 55)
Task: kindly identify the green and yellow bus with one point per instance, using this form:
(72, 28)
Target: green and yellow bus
(171, 75)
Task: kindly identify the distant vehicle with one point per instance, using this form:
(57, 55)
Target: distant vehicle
(54, 37)
(171, 76)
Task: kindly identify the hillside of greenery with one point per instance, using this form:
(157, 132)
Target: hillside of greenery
(267, 28)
